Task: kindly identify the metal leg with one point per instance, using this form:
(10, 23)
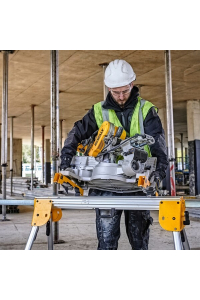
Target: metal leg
(56, 234)
(185, 242)
(178, 245)
(50, 237)
(32, 237)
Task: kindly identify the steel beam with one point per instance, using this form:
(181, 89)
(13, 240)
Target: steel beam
(170, 120)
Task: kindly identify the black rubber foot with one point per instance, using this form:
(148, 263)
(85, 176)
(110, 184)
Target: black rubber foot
(59, 242)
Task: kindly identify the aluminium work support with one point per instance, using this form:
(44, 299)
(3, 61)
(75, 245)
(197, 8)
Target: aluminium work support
(55, 124)
(32, 144)
(170, 121)
(172, 214)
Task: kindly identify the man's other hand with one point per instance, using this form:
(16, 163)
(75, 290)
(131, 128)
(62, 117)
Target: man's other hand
(65, 163)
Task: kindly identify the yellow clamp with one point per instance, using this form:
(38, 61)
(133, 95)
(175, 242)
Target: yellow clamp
(59, 178)
(172, 214)
(43, 211)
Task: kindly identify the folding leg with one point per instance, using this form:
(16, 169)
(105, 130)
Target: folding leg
(184, 239)
(178, 245)
(50, 235)
(32, 237)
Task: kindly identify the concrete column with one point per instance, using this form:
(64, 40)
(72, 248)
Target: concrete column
(47, 162)
(186, 152)
(186, 158)
(193, 125)
(176, 152)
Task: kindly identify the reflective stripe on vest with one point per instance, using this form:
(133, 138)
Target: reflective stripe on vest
(140, 112)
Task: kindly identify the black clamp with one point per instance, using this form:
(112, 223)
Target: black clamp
(187, 219)
(77, 191)
(112, 213)
(172, 159)
(48, 228)
(4, 165)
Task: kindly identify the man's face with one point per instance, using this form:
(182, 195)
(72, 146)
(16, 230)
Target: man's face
(121, 94)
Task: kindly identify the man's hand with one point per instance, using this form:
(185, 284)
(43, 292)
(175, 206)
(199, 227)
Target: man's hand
(65, 163)
(156, 177)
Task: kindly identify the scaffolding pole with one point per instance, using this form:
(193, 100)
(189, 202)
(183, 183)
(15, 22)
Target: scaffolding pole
(4, 134)
(32, 144)
(55, 124)
(43, 153)
(170, 120)
(105, 88)
(11, 155)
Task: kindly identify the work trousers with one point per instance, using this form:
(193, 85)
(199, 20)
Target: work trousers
(137, 224)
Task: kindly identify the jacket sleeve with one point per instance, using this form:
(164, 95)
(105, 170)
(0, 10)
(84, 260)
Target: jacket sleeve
(153, 127)
(82, 130)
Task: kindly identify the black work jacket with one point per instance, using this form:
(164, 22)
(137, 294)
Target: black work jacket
(84, 128)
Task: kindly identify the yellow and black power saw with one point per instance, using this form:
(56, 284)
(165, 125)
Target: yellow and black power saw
(109, 160)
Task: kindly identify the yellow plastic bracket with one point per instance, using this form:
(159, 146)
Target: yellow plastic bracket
(56, 214)
(59, 178)
(172, 214)
(42, 211)
(143, 181)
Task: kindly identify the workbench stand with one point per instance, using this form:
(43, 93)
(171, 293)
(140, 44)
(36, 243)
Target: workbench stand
(171, 212)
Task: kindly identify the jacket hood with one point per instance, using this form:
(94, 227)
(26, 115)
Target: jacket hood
(110, 103)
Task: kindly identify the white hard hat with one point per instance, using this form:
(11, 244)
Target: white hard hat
(118, 73)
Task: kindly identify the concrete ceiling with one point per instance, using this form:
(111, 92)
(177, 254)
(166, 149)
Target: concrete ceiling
(81, 84)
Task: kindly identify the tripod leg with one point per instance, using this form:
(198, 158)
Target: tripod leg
(32, 237)
(185, 242)
(178, 245)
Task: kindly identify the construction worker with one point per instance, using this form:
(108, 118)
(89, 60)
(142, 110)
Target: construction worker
(123, 102)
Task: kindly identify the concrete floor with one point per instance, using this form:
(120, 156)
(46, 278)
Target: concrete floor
(77, 229)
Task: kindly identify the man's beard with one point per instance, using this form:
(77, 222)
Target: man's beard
(121, 105)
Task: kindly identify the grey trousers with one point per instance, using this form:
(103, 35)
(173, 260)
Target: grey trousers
(137, 224)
